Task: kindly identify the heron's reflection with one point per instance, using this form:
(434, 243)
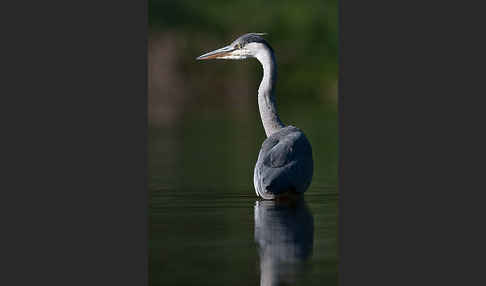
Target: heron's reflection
(284, 232)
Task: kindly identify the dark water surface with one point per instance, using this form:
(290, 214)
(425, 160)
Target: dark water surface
(206, 225)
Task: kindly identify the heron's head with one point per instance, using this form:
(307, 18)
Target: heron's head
(246, 46)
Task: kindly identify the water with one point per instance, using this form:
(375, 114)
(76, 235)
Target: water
(206, 225)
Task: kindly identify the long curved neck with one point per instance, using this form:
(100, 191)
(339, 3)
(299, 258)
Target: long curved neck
(266, 97)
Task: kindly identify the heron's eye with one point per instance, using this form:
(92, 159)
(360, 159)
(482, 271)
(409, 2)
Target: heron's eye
(238, 46)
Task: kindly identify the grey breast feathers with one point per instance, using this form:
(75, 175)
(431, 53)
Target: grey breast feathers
(284, 163)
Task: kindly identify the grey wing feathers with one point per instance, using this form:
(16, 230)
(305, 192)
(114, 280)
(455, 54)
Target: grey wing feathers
(284, 163)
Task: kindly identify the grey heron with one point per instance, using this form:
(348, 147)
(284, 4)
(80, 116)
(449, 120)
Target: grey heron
(284, 166)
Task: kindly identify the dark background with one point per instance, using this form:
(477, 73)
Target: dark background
(202, 112)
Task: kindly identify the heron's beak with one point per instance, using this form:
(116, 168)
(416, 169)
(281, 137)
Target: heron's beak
(217, 53)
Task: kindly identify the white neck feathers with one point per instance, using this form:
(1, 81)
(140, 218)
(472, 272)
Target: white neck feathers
(266, 99)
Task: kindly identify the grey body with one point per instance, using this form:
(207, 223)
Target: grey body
(285, 162)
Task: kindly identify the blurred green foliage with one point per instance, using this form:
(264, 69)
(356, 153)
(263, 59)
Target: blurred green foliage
(304, 35)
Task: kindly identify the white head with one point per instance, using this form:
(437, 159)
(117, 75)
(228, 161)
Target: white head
(246, 46)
